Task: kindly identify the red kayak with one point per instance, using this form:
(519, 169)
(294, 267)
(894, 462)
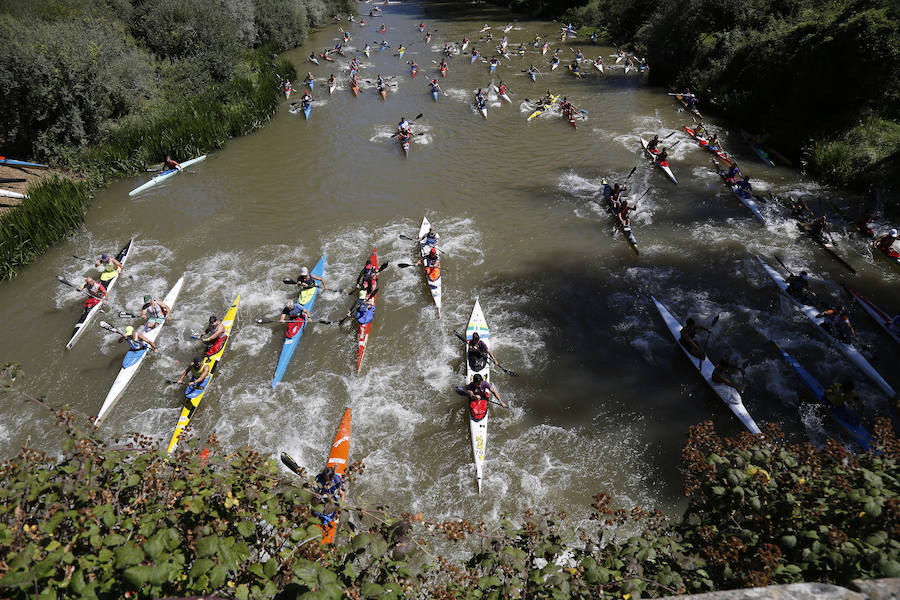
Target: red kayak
(705, 144)
(364, 329)
(890, 254)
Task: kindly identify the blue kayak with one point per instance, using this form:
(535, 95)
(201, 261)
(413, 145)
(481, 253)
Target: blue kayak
(295, 328)
(306, 111)
(841, 414)
(434, 94)
(20, 163)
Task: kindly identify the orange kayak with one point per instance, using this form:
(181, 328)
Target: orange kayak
(337, 459)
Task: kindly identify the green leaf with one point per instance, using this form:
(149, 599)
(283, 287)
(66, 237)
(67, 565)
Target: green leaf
(128, 555)
(371, 590)
(138, 576)
(788, 541)
(217, 576)
(242, 592)
(872, 508)
(201, 566)
(270, 567)
(207, 545)
(246, 529)
(718, 490)
(114, 539)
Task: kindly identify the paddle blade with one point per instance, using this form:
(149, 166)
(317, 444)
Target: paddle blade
(419, 116)
(462, 392)
(290, 463)
(289, 281)
(60, 279)
(404, 265)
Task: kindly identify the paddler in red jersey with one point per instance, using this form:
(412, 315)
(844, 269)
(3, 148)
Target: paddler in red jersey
(367, 280)
(215, 335)
(479, 392)
(170, 164)
(96, 292)
(885, 243)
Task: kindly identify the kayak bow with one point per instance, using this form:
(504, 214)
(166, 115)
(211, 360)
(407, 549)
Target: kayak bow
(165, 175)
(296, 327)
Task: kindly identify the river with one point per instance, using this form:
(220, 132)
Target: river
(604, 398)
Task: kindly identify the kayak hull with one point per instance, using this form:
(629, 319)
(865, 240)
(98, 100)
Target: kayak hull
(192, 398)
(705, 145)
(338, 457)
(434, 284)
(880, 317)
(363, 337)
(730, 396)
(744, 196)
(663, 166)
(543, 109)
(290, 343)
(474, 365)
(130, 367)
(165, 175)
(86, 317)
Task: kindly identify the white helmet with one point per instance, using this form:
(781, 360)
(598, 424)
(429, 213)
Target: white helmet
(892, 233)
(304, 271)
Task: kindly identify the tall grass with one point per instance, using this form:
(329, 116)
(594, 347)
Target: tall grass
(54, 207)
(57, 205)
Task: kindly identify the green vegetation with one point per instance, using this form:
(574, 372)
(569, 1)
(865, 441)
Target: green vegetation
(821, 77)
(95, 520)
(108, 88)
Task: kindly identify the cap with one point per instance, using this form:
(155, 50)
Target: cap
(213, 318)
(196, 360)
(129, 330)
(104, 257)
(147, 298)
(893, 233)
(304, 271)
(362, 294)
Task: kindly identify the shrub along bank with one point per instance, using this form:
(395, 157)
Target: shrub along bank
(95, 520)
(105, 89)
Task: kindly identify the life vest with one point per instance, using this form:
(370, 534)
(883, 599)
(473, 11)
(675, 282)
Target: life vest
(216, 345)
(136, 345)
(196, 371)
(91, 302)
(369, 273)
(365, 314)
(326, 489)
(110, 270)
(478, 409)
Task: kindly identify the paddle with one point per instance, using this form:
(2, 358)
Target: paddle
(80, 257)
(489, 357)
(670, 135)
(419, 116)
(630, 174)
(462, 392)
(347, 316)
(356, 286)
(12, 180)
(60, 279)
(109, 327)
(706, 342)
(406, 237)
(784, 266)
(126, 314)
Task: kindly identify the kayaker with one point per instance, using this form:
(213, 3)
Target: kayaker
(197, 371)
(294, 311)
(367, 49)
(614, 195)
(312, 58)
(689, 98)
(109, 267)
(885, 242)
(465, 41)
(480, 391)
(502, 89)
(365, 310)
(798, 287)
(624, 208)
(354, 81)
(477, 347)
(430, 260)
(688, 333)
(331, 81)
(431, 238)
(215, 335)
(137, 341)
(840, 394)
(533, 70)
(329, 482)
(401, 50)
(734, 171)
(474, 54)
(306, 280)
(799, 209)
(479, 98)
(714, 143)
(554, 62)
(578, 56)
(700, 130)
(309, 79)
(96, 292)
(170, 164)
(662, 156)
(722, 374)
(367, 280)
(818, 227)
(862, 224)
(744, 184)
(427, 37)
(594, 37)
(154, 311)
(653, 143)
(307, 97)
(521, 49)
(565, 106)
(489, 37)
(495, 62)
(599, 63)
(404, 126)
(413, 66)
(837, 322)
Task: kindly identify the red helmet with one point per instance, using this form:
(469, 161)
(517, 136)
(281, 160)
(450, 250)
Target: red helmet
(433, 251)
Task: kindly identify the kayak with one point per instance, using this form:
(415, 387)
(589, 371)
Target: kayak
(413, 71)
(307, 110)
(355, 89)
(492, 68)
(759, 150)
(295, 327)
(287, 92)
(533, 75)
(195, 394)
(11, 162)
(890, 254)
(664, 165)
(743, 195)
(443, 71)
(625, 229)
(11, 194)
(337, 460)
(705, 145)
(599, 67)
(823, 243)
(463, 47)
(693, 111)
(432, 275)
(434, 94)
(87, 315)
(852, 353)
(165, 175)
(553, 65)
(770, 151)
(383, 94)
(881, 317)
(311, 84)
(544, 49)
(331, 87)
(133, 359)
(842, 415)
(314, 60)
(728, 394)
(364, 329)
(404, 141)
(539, 111)
(483, 110)
(476, 364)
(571, 119)
(474, 57)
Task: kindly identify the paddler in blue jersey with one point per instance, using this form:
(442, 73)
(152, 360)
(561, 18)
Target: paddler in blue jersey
(431, 238)
(734, 171)
(137, 341)
(744, 184)
(198, 371)
(156, 312)
(295, 310)
(365, 308)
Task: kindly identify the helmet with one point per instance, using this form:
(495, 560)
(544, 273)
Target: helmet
(304, 271)
(147, 298)
(129, 330)
(362, 294)
(892, 233)
(104, 257)
(433, 252)
(213, 318)
(477, 378)
(196, 360)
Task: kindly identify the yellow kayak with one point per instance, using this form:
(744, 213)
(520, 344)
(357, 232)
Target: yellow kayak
(541, 110)
(195, 395)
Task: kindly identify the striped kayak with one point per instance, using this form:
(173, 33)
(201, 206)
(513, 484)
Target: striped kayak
(165, 175)
(890, 254)
(728, 394)
(432, 275)
(759, 150)
(852, 353)
(11, 194)
(538, 112)
(478, 365)
(693, 111)
(337, 459)
(295, 328)
(842, 415)
(87, 315)
(664, 165)
(404, 142)
(195, 395)
(11, 162)
(625, 229)
(743, 195)
(705, 145)
(133, 359)
(881, 317)
(364, 329)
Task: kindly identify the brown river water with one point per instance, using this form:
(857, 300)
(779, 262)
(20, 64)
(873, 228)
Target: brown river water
(604, 398)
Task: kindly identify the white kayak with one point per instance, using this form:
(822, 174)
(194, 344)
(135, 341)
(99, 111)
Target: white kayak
(11, 194)
(599, 66)
(480, 365)
(483, 111)
(852, 353)
(881, 317)
(432, 275)
(89, 314)
(728, 394)
(165, 175)
(664, 165)
(133, 358)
